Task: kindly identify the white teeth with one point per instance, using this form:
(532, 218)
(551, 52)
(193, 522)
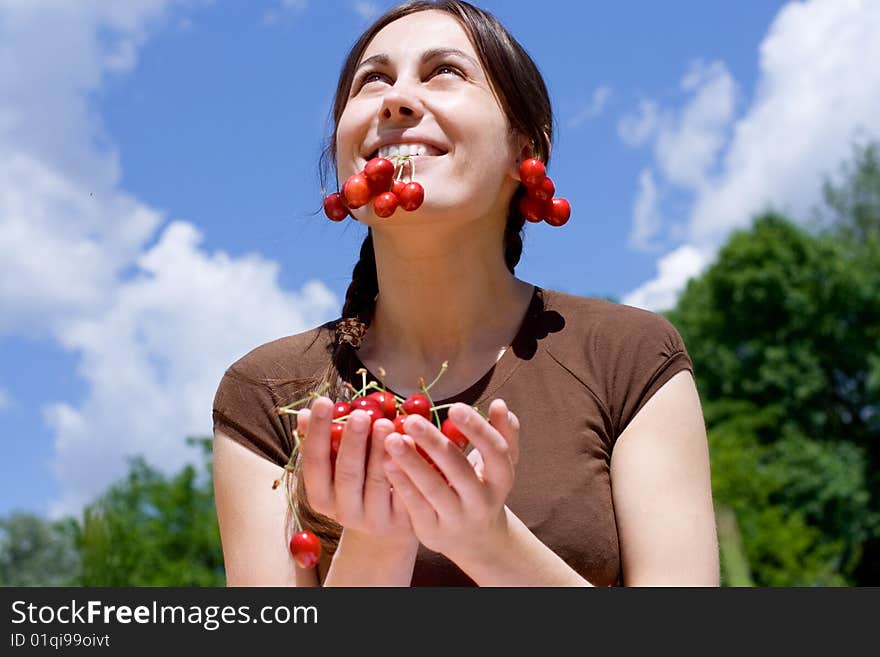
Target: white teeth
(400, 150)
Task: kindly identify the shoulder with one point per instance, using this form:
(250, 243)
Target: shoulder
(289, 357)
(622, 353)
(605, 328)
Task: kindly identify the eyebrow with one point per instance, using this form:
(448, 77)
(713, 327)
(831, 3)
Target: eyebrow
(428, 55)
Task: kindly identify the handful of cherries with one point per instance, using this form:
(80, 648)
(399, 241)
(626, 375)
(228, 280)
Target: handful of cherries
(539, 204)
(380, 181)
(304, 545)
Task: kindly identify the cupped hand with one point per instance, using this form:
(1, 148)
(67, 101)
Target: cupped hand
(461, 517)
(356, 493)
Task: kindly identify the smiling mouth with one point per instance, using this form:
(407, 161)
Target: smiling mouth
(396, 151)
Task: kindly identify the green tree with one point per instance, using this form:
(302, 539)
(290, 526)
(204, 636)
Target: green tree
(37, 552)
(784, 331)
(150, 530)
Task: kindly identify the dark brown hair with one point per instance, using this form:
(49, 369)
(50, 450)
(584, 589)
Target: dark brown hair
(522, 95)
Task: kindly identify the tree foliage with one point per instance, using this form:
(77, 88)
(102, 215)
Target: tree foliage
(784, 331)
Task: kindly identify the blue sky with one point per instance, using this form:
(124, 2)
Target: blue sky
(159, 180)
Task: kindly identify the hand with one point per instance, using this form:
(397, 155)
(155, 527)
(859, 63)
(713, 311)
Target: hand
(467, 514)
(358, 498)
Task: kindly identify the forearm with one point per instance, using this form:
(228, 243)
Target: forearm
(518, 558)
(361, 560)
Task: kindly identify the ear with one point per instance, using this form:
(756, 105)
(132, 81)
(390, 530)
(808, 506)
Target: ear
(525, 150)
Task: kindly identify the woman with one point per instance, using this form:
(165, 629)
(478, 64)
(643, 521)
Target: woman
(592, 468)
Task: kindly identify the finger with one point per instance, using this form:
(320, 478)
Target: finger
(449, 459)
(429, 482)
(349, 474)
(495, 449)
(421, 514)
(316, 468)
(377, 488)
(507, 424)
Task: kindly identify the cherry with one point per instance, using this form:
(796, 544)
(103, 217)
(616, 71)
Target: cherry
(558, 211)
(417, 404)
(532, 172)
(356, 191)
(306, 549)
(385, 204)
(341, 408)
(379, 172)
(336, 429)
(412, 196)
(532, 209)
(544, 191)
(371, 406)
(397, 187)
(335, 207)
(398, 422)
(386, 402)
(454, 434)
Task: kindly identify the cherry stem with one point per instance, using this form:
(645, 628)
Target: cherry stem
(443, 368)
(285, 410)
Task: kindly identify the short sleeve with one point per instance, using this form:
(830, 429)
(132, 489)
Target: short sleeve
(654, 352)
(244, 410)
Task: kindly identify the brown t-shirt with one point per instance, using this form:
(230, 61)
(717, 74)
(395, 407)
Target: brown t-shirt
(576, 373)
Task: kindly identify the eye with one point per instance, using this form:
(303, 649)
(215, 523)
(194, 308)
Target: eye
(449, 67)
(370, 76)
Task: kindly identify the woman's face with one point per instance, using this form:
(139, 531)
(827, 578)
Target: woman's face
(420, 81)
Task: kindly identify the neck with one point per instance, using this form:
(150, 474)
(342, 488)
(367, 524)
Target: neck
(442, 297)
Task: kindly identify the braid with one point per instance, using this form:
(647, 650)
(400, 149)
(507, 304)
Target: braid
(364, 286)
(513, 244)
(359, 302)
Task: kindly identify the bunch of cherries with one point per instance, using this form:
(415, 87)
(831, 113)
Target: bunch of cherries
(381, 181)
(304, 545)
(539, 204)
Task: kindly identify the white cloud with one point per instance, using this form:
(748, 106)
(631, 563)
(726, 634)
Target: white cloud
(818, 89)
(152, 348)
(366, 10)
(674, 271)
(647, 221)
(284, 8)
(153, 360)
(636, 129)
(687, 149)
(597, 104)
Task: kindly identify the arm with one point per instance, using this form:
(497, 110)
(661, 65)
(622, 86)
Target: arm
(662, 492)
(252, 519)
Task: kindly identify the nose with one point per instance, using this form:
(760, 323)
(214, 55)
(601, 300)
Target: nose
(399, 102)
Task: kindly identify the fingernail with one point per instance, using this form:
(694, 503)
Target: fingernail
(359, 421)
(416, 427)
(460, 415)
(395, 445)
(321, 412)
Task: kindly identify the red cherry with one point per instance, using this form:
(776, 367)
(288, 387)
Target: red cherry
(397, 187)
(306, 549)
(532, 209)
(341, 408)
(412, 196)
(454, 434)
(558, 211)
(356, 191)
(334, 207)
(386, 402)
(532, 172)
(379, 172)
(543, 191)
(385, 204)
(417, 404)
(398, 423)
(371, 406)
(336, 429)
